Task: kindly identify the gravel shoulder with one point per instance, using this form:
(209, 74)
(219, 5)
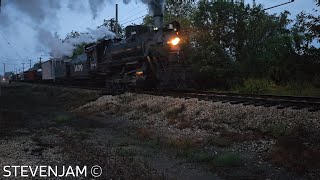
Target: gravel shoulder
(136, 136)
(234, 141)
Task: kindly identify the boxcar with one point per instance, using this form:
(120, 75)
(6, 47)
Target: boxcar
(55, 69)
(31, 76)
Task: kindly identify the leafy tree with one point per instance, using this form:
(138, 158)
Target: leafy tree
(230, 42)
(112, 25)
(180, 11)
(259, 45)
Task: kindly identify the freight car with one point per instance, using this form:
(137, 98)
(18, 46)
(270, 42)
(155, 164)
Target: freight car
(32, 75)
(55, 71)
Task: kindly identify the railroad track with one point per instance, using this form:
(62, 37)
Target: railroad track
(312, 104)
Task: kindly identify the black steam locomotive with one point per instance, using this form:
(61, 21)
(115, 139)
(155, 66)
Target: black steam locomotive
(148, 57)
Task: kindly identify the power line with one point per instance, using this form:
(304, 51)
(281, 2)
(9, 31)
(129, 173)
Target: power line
(128, 14)
(134, 15)
(290, 1)
(133, 20)
(10, 45)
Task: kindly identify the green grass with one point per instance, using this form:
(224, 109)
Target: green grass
(126, 152)
(86, 130)
(291, 90)
(227, 159)
(63, 119)
(276, 130)
(203, 156)
(196, 155)
(257, 87)
(220, 141)
(84, 133)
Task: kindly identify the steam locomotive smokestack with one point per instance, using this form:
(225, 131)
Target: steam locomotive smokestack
(157, 8)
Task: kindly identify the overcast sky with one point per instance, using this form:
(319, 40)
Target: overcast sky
(20, 28)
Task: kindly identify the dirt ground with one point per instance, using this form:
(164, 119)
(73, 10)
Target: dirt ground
(43, 125)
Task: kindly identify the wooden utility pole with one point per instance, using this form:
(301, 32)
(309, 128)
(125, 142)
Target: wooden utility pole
(117, 27)
(4, 69)
(30, 63)
(23, 67)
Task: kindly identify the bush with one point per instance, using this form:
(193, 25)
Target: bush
(276, 130)
(255, 86)
(63, 119)
(316, 81)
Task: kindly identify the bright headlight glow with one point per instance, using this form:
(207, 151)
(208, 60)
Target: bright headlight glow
(175, 41)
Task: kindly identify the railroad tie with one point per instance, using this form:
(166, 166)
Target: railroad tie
(236, 102)
(282, 107)
(248, 103)
(225, 101)
(269, 105)
(258, 103)
(297, 107)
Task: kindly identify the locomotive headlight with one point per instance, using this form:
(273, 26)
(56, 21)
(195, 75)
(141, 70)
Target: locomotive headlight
(174, 41)
(139, 73)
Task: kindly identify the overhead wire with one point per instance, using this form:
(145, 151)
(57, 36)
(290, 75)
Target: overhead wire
(128, 14)
(134, 15)
(8, 42)
(134, 20)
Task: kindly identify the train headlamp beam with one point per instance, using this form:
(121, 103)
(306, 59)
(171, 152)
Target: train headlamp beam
(174, 41)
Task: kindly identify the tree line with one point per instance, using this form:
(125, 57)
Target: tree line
(231, 44)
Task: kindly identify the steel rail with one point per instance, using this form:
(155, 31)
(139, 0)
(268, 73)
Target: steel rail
(312, 104)
(280, 102)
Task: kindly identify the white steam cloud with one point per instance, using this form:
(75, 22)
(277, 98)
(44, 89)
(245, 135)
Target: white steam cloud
(61, 48)
(42, 16)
